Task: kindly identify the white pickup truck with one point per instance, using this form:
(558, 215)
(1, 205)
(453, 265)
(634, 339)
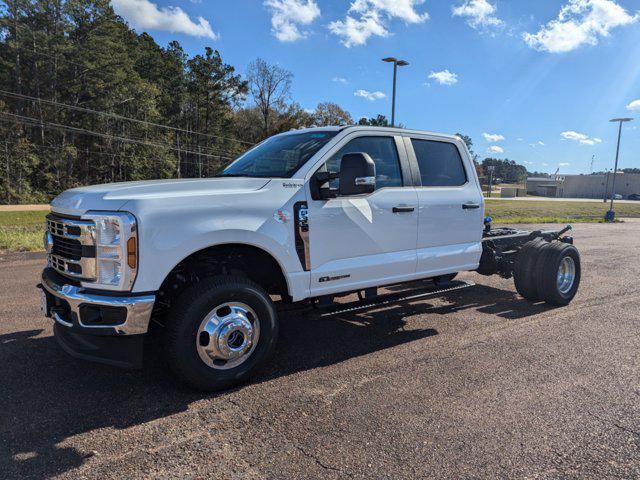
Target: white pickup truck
(303, 217)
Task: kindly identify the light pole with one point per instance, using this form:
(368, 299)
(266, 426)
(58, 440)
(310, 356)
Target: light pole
(611, 215)
(490, 169)
(396, 63)
(606, 188)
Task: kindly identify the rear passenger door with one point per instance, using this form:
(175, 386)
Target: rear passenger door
(451, 206)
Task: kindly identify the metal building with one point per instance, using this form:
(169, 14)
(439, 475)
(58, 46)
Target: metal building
(583, 186)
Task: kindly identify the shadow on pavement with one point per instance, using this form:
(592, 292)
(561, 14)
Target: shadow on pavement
(47, 397)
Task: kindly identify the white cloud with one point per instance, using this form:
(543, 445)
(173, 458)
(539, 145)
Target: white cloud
(371, 96)
(634, 106)
(493, 137)
(495, 149)
(341, 80)
(579, 22)
(289, 15)
(537, 144)
(147, 15)
(479, 14)
(445, 77)
(564, 164)
(580, 138)
(367, 18)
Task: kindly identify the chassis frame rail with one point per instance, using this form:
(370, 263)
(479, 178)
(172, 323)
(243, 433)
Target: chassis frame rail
(500, 247)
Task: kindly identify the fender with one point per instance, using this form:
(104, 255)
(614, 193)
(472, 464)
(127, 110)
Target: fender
(158, 259)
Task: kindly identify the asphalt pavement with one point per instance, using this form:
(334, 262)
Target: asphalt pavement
(476, 384)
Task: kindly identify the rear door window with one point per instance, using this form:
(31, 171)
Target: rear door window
(440, 163)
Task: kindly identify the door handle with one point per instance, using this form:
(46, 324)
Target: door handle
(403, 209)
(470, 206)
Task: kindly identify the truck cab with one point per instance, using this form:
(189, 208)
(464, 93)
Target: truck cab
(304, 215)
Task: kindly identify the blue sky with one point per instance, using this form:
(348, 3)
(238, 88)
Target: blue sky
(533, 81)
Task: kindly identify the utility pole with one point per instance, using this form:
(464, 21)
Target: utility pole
(611, 214)
(593, 157)
(396, 63)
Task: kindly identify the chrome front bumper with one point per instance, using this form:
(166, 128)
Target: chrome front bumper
(138, 308)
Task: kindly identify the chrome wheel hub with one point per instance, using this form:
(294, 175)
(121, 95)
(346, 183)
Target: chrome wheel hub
(228, 335)
(566, 275)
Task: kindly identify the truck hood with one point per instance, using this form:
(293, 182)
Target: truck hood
(113, 196)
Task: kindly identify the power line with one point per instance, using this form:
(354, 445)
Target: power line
(36, 122)
(115, 115)
(119, 155)
(53, 57)
(215, 151)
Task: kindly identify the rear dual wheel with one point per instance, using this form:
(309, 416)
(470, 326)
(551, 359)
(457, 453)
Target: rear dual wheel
(548, 271)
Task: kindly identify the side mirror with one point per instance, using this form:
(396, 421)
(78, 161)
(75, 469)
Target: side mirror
(357, 174)
(320, 189)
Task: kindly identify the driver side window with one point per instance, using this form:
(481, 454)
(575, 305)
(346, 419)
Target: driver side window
(384, 154)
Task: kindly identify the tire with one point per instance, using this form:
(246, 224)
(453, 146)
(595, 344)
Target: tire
(443, 280)
(523, 272)
(554, 288)
(223, 301)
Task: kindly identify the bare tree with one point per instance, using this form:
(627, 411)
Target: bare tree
(331, 114)
(270, 86)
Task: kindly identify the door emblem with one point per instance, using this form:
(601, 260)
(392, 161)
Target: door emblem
(333, 279)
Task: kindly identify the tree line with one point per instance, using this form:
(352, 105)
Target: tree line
(84, 99)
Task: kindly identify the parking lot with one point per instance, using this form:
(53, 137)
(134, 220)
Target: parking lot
(475, 384)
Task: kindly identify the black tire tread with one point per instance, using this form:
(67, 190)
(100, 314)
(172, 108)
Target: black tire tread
(444, 279)
(179, 315)
(523, 273)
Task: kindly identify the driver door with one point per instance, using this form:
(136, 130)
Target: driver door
(365, 240)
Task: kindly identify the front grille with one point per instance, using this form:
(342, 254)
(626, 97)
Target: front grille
(71, 246)
(67, 248)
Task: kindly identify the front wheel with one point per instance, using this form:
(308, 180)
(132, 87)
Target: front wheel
(219, 332)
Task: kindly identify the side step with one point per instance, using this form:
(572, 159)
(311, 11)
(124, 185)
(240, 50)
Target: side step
(407, 295)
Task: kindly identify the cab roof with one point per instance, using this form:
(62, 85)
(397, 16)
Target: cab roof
(368, 128)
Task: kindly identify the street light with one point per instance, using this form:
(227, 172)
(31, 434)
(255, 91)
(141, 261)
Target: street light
(611, 214)
(396, 63)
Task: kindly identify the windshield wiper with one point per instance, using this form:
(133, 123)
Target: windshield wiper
(233, 175)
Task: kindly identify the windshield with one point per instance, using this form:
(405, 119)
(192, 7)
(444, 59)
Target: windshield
(279, 156)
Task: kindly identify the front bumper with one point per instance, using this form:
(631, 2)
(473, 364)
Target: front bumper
(107, 328)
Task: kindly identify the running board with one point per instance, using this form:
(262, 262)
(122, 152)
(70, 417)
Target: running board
(395, 298)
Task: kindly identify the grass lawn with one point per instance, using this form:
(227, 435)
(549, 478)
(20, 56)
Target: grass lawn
(521, 211)
(21, 231)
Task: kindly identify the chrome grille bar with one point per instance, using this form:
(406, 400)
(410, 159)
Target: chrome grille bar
(64, 241)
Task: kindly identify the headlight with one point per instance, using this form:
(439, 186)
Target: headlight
(116, 243)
